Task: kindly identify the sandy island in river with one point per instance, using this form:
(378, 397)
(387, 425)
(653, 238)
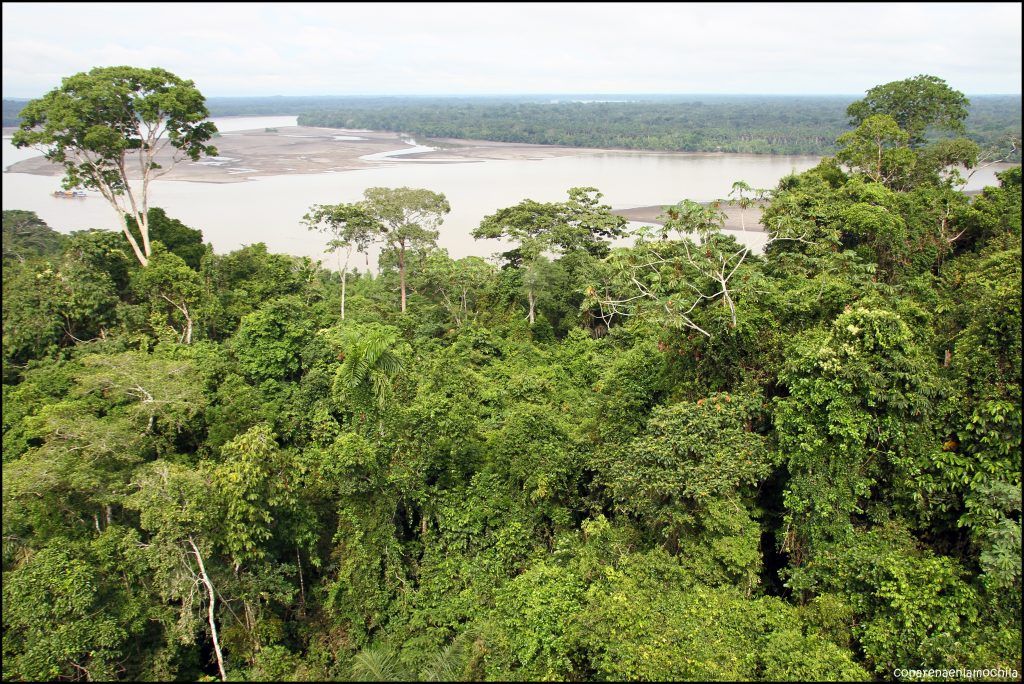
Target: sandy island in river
(304, 149)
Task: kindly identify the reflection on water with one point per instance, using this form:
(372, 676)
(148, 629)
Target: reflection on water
(269, 209)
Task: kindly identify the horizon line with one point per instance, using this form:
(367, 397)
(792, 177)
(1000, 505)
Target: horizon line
(553, 94)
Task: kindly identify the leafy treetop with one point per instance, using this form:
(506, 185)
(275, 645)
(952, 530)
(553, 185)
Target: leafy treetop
(108, 126)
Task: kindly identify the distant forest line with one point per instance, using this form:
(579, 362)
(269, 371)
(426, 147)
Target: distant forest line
(696, 123)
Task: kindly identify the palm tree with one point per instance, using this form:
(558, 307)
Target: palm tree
(368, 373)
(447, 665)
(376, 664)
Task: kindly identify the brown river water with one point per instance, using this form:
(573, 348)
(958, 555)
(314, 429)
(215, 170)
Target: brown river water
(270, 209)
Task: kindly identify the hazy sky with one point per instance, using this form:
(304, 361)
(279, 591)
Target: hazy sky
(343, 49)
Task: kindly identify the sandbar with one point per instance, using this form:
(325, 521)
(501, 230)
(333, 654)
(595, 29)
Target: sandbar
(303, 149)
(735, 219)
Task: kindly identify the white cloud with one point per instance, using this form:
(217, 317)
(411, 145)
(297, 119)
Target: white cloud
(305, 48)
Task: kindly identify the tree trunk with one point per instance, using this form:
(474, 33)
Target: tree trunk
(401, 272)
(212, 603)
(729, 305)
(302, 583)
(188, 324)
(141, 220)
(344, 277)
(135, 246)
(250, 623)
(878, 173)
(530, 298)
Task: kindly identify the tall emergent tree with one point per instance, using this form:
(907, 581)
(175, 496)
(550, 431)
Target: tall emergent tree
(352, 227)
(407, 219)
(916, 104)
(399, 219)
(532, 225)
(540, 228)
(877, 148)
(109, 127)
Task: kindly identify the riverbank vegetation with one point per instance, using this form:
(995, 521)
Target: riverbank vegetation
(784, 124)
(676, 460)
(749, 124)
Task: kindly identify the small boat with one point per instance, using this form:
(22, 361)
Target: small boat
(69, 193)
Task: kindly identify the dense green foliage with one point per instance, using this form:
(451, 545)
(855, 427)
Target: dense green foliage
(710, 123)
(677, 460)
(783, 124)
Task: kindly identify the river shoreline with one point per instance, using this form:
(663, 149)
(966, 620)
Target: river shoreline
(270, 172)
(297, 150)
(748, 219)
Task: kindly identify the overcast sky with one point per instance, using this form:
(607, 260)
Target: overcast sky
(436, 48)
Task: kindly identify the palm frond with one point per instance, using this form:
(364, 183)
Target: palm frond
(375, 664)
(447, 665)
(368, 371)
